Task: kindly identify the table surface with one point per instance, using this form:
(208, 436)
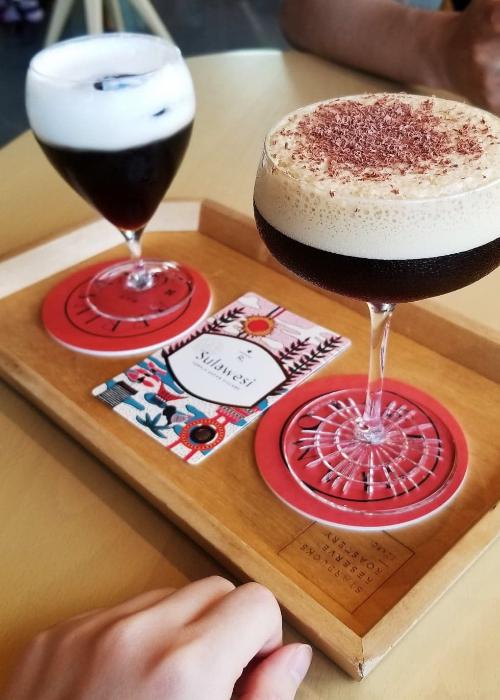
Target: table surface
(74, 537)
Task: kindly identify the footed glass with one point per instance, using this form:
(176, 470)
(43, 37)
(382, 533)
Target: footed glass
(387, 199)
(113, 114)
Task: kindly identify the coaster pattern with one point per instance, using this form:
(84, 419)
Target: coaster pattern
(70, 321)
(399, 483)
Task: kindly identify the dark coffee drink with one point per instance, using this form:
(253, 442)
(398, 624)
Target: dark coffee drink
(380, 280)
(125, 186)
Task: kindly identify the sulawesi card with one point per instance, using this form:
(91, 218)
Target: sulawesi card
(195, 394)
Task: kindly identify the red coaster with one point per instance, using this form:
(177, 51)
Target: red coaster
(69, 320)
(349, 490)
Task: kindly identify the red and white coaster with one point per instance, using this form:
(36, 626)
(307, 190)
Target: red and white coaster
(349, 490)
(71, 322)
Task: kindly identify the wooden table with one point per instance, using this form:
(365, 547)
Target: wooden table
(73, 536)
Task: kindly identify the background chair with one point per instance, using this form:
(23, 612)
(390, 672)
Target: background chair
(94, 17)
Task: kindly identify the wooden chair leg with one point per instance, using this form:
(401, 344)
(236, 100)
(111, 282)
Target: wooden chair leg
(93, 16)
(116, 15)
(152, 19)
(58, 18)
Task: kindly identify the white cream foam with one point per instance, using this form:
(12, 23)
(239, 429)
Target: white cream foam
(433, 213)
(65, 109)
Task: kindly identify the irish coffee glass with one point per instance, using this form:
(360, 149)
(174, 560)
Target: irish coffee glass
(386, 199)
(113, 113)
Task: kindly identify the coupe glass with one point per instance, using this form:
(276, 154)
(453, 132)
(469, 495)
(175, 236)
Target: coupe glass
(349, 229)
(113, 113)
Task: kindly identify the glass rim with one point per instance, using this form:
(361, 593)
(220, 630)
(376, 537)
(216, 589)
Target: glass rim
(363, 198)
(104, 36)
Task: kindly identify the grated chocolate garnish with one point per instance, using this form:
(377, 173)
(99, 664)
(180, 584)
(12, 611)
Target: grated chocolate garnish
(371, 141)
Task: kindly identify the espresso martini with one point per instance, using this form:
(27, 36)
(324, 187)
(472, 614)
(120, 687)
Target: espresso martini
(113, 128)
(383, 197)
(113, 113)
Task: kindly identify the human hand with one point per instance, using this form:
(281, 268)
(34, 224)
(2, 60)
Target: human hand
(471, 53)
(188, 644)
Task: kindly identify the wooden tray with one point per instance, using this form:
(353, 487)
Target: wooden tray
(223, 504)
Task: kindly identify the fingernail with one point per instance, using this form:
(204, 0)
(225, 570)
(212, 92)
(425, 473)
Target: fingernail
(300, 662)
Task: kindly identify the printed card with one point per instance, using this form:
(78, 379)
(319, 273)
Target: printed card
(195, 394)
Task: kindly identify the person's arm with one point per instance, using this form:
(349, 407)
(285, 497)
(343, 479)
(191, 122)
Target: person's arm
(450, 50)
(379, 36)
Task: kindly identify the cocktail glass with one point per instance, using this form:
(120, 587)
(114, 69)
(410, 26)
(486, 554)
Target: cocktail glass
(113, 114)
(383, 248)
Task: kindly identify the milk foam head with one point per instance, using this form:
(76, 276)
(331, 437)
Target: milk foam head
(109, 92)
(383, 176)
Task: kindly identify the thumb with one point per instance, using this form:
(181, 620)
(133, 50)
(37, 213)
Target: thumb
(278, 675)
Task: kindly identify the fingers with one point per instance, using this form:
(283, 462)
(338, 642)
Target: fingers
(141, 601)
(243, 624)
(186, 604)
(279, 675)
(101, 617)
(198, 597)
(152, 619)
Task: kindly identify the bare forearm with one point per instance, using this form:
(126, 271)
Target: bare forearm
(380, 36)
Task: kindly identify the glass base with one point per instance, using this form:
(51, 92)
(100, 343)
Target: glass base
(326, 453)
(118, 293)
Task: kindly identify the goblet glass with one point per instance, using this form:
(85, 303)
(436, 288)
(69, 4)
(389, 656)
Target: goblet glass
(384, 198)
(113, 114)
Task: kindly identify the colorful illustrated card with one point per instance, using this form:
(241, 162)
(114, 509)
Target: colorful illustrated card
(195, 394)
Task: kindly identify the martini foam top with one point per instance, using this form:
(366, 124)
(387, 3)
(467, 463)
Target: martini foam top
(109, 92)
(384, 176)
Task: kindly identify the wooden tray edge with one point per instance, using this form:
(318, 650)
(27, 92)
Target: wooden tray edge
(429, 590)
(88, 220)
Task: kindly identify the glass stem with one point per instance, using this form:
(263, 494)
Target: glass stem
(139, 278)
(371, 428)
